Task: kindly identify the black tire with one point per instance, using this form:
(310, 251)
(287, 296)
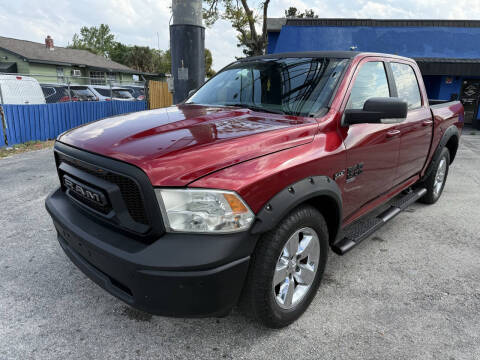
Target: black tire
(258, 299)
(429, 183)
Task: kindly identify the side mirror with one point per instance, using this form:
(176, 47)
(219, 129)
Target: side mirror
(376, 111)
(191, 92)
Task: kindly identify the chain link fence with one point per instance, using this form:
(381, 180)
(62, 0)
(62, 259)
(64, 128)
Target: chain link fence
(40, 89)
(40, 107)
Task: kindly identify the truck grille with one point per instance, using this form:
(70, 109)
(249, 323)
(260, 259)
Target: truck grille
(92, 204)
(128, 188)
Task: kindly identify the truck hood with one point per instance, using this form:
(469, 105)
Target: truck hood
(177, 145)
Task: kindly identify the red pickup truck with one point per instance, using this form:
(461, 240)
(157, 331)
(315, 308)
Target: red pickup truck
(236, 195)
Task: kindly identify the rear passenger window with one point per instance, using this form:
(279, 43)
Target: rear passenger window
(48, 91)
(103, 92)
(407, 85)
(370, 82)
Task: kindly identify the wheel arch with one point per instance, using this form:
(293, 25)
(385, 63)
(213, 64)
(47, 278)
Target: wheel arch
(321, 192)
(452, 146)
(331, 211)
(450, 139)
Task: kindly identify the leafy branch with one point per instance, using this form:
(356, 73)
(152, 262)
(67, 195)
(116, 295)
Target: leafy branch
(244, 20)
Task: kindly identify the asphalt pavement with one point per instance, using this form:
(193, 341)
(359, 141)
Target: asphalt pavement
(410, 291)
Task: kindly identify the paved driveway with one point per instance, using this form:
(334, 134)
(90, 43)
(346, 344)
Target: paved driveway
(411, 291)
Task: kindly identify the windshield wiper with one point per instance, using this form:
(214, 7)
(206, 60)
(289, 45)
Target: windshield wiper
(255, 108)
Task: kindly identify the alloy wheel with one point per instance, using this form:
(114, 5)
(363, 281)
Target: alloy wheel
(440, 177)
(296, 268)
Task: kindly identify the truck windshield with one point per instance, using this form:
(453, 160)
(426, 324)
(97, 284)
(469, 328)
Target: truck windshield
(293, 86)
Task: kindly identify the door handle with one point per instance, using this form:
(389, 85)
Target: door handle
(427, 122)
(393, 133)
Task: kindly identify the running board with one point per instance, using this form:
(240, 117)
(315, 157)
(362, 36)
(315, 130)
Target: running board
(354, 234)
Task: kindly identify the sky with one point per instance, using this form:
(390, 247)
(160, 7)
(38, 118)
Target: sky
(137, 22)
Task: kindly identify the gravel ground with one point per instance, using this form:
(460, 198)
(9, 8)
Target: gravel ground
(411, 291)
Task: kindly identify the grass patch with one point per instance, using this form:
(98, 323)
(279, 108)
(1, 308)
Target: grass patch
(28, 146)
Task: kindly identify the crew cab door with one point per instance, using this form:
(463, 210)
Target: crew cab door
(417, 129)
(372, 149)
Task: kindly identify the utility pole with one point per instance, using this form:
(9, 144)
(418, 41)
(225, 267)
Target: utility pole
(187, 47)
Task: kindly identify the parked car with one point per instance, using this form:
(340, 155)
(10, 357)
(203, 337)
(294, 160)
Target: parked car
(55, 93)
(16, 89)
(137, 91)
(237, 194)
(82, 93)
(122, 93)
(104, 93)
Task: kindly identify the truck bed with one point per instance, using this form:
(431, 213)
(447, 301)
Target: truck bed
(447, 111)
(445, 114)
(440, 103)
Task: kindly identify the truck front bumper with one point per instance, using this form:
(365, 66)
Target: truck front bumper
(176, 275)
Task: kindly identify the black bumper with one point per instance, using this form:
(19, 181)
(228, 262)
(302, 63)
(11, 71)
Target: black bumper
(177, 275)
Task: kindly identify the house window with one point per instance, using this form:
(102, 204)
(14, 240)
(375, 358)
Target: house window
(60, 75)
(97, 78)
(111, 77)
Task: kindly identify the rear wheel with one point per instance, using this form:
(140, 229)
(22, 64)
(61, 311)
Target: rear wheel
(435, 182)
(286, 268)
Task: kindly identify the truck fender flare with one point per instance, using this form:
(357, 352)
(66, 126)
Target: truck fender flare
(451, 131)
(294, 195)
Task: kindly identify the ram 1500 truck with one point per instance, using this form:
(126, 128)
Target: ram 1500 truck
(236, 195)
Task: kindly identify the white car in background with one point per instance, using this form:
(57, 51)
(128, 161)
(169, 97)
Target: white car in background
(103, 92)
(20, 90)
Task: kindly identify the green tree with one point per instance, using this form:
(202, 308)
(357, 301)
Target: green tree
(243, 19)
(97, 40)
(292, 13)
(119, 52)
(165, 62)
(100, 41)
(141, 58)
(310, 14)
(208, 64)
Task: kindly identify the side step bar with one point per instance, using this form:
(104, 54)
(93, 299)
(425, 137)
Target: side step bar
(353, 234)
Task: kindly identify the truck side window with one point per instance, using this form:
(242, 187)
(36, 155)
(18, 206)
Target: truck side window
(371, 81)
(407, 84)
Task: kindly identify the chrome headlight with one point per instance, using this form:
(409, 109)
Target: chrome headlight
(203, 210)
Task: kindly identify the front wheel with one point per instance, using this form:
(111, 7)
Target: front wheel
(435, 182)
(286, 268)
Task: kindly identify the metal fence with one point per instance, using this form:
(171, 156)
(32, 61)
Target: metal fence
(24, 123)
(25, 88)
(40, 107)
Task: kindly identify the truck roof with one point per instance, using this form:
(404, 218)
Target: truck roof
(17, 77)
(320, 54)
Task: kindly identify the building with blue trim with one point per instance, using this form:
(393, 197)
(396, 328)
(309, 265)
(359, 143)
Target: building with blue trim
(447, 51)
